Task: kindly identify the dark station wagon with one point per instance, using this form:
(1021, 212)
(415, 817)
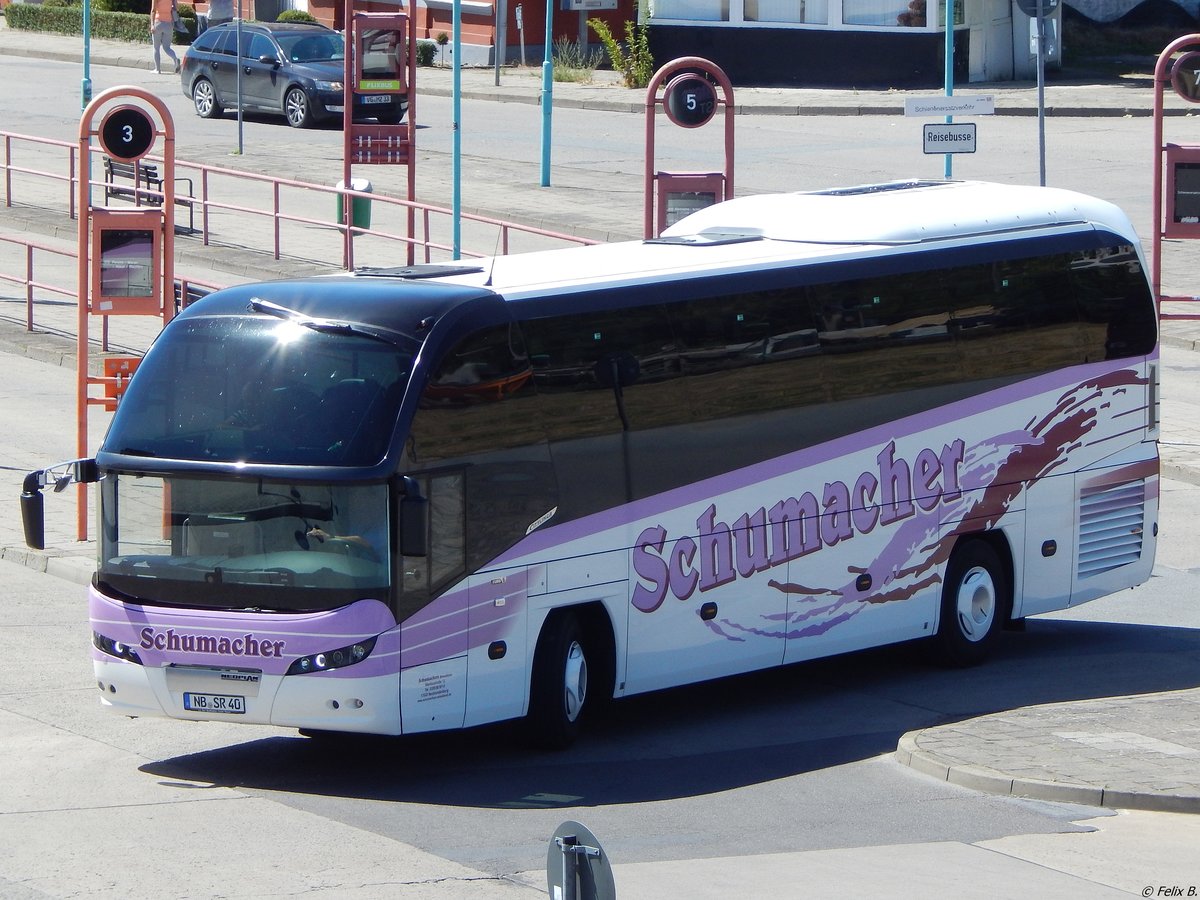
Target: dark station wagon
(291, 68)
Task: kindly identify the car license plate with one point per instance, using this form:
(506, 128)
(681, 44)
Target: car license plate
(376, 98)
(214, 703)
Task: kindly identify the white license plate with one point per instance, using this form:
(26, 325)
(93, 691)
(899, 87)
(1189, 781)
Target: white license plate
(377, 98)
(214, 703)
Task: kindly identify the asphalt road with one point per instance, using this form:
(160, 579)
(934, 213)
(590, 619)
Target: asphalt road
(782, 761)
(1108, 157)
(793, 759)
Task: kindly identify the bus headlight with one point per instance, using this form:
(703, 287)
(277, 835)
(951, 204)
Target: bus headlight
(115, 648)
(333, 659)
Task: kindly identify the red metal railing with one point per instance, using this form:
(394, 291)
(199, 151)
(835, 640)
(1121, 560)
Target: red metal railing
(222, 199)
(28, 277)
(67, 150)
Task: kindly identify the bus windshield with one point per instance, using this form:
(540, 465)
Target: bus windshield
(245, 543)
(252, 390)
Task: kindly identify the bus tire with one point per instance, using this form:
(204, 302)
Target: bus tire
(975, 604)
(558, 694)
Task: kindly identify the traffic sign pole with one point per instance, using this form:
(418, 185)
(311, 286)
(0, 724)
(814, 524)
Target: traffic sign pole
(1038, 10)
(1041, 87)
(948, 27)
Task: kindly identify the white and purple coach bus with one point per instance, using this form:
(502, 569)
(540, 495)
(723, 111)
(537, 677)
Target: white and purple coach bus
(796, 425)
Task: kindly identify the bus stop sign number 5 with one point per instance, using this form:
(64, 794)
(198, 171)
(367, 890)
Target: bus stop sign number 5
(691, 100)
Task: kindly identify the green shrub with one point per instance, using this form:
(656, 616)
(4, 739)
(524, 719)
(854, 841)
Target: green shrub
(574, 61)
(187, 12)
(297, 15)
(139, 7)
(634, 60)
(117, 26)
(426, 53)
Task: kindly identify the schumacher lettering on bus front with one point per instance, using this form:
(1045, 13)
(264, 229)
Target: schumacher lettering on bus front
(246, 645)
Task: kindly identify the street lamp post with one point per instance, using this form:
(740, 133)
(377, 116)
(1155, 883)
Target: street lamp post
(85, 85)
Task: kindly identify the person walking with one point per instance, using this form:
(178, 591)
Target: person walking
(162, 31)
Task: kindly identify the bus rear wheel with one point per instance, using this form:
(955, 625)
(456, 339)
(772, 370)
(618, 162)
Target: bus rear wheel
(975, 603)
(558, 698)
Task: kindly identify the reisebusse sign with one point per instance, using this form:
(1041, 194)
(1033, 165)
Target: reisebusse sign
(956, 138)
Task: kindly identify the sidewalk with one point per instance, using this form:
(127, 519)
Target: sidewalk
(1127, 96)
(1131, 752)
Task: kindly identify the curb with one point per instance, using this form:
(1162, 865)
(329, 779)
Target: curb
(136, 58)
(75, 569)
(981, 778)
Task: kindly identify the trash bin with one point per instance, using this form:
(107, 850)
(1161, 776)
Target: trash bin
(360, 207)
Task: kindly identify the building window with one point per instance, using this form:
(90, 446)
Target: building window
(883, 13)
(692, 10)
(810, 12)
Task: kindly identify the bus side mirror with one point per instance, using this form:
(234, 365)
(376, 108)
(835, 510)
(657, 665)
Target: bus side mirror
(33, 511)
(33, 502)
(414, 520)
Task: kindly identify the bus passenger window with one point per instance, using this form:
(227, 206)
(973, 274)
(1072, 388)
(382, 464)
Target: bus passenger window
(580, 362)
(478, 447)
(1110, 288)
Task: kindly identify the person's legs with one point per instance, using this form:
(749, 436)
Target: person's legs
(156, 43)
(161, 38)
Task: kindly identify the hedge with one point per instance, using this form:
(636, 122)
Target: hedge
(116, 26)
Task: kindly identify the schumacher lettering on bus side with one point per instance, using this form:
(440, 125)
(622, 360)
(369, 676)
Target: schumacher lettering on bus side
(793, 527)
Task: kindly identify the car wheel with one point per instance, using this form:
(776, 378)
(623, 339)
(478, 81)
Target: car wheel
(204, 98)
(975, 603)
(558, 697)
(297, 109)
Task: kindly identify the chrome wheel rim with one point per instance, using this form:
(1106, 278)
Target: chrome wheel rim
(975, 604)
(575, 678)
(204, 98)
(297, 107)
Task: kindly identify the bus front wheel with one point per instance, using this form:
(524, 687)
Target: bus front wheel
(558, 700)
(975, 603)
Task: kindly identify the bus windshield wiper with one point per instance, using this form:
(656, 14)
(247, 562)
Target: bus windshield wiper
(331, 326)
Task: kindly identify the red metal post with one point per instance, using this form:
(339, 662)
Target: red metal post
(653, 101)
(165, 131)
(1163, 74)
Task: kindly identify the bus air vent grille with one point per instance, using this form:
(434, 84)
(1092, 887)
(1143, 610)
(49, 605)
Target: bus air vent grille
(1111, 521)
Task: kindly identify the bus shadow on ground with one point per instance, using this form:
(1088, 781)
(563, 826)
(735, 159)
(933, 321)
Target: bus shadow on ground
(722, 735)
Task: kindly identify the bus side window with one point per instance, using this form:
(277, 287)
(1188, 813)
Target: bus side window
(750, 352)
(886, 335)
(1110, 288)
(580, 360)
(478, 448)
(612, 398)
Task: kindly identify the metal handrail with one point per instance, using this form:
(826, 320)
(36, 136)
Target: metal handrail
(29, 278)
(209, 203)
(1165, 316)
(10, 167)
(31, 282)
